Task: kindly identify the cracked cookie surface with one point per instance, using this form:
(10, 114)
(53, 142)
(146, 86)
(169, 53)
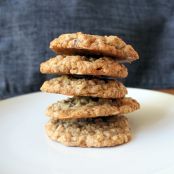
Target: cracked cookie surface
(89, 107)
(96, 132)
(85, 87)
(82, 65)
(86, 44)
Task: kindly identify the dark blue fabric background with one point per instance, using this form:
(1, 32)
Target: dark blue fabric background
(27, 27)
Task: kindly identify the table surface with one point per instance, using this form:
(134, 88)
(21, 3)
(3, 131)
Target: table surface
(170, 91)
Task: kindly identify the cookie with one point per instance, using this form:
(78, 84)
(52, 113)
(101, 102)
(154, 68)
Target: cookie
(103, 66)
(85, 87)
(85, 44)
(89, 107)
(96, 132)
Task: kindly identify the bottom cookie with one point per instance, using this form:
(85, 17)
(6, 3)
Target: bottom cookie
(91, 132)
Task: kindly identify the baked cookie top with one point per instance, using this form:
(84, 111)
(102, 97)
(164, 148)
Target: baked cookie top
(104, 88)
(86, 44)
(82, 65)
(96, 132)
(90, 107)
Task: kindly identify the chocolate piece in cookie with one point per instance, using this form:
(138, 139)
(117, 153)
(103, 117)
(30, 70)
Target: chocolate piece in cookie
(96, 132)
(85, 44)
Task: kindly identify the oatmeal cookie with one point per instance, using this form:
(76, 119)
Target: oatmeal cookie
(86, 44)
(105, 88)
(103, 66)
(90, 107)
(96, 132)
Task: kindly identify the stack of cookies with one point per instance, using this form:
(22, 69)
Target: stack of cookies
(88, 66)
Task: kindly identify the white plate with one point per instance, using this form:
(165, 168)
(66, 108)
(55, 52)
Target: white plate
(25, 149)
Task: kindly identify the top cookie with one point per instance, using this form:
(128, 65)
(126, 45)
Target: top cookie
(85, 44)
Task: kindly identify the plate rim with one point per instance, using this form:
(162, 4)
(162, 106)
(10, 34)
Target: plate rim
(128, 88)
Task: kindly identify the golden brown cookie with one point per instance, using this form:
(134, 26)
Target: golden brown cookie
(82, 65)
(85, 44)
(89, 107)
(85, 87)
(96, 132)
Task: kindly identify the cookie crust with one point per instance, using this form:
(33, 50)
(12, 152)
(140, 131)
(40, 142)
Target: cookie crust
(88, 107)
(98, 132)
(86, 44)
(82, 65)
(85, 87)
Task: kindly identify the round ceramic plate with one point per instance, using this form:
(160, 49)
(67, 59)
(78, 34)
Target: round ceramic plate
(24, 147)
